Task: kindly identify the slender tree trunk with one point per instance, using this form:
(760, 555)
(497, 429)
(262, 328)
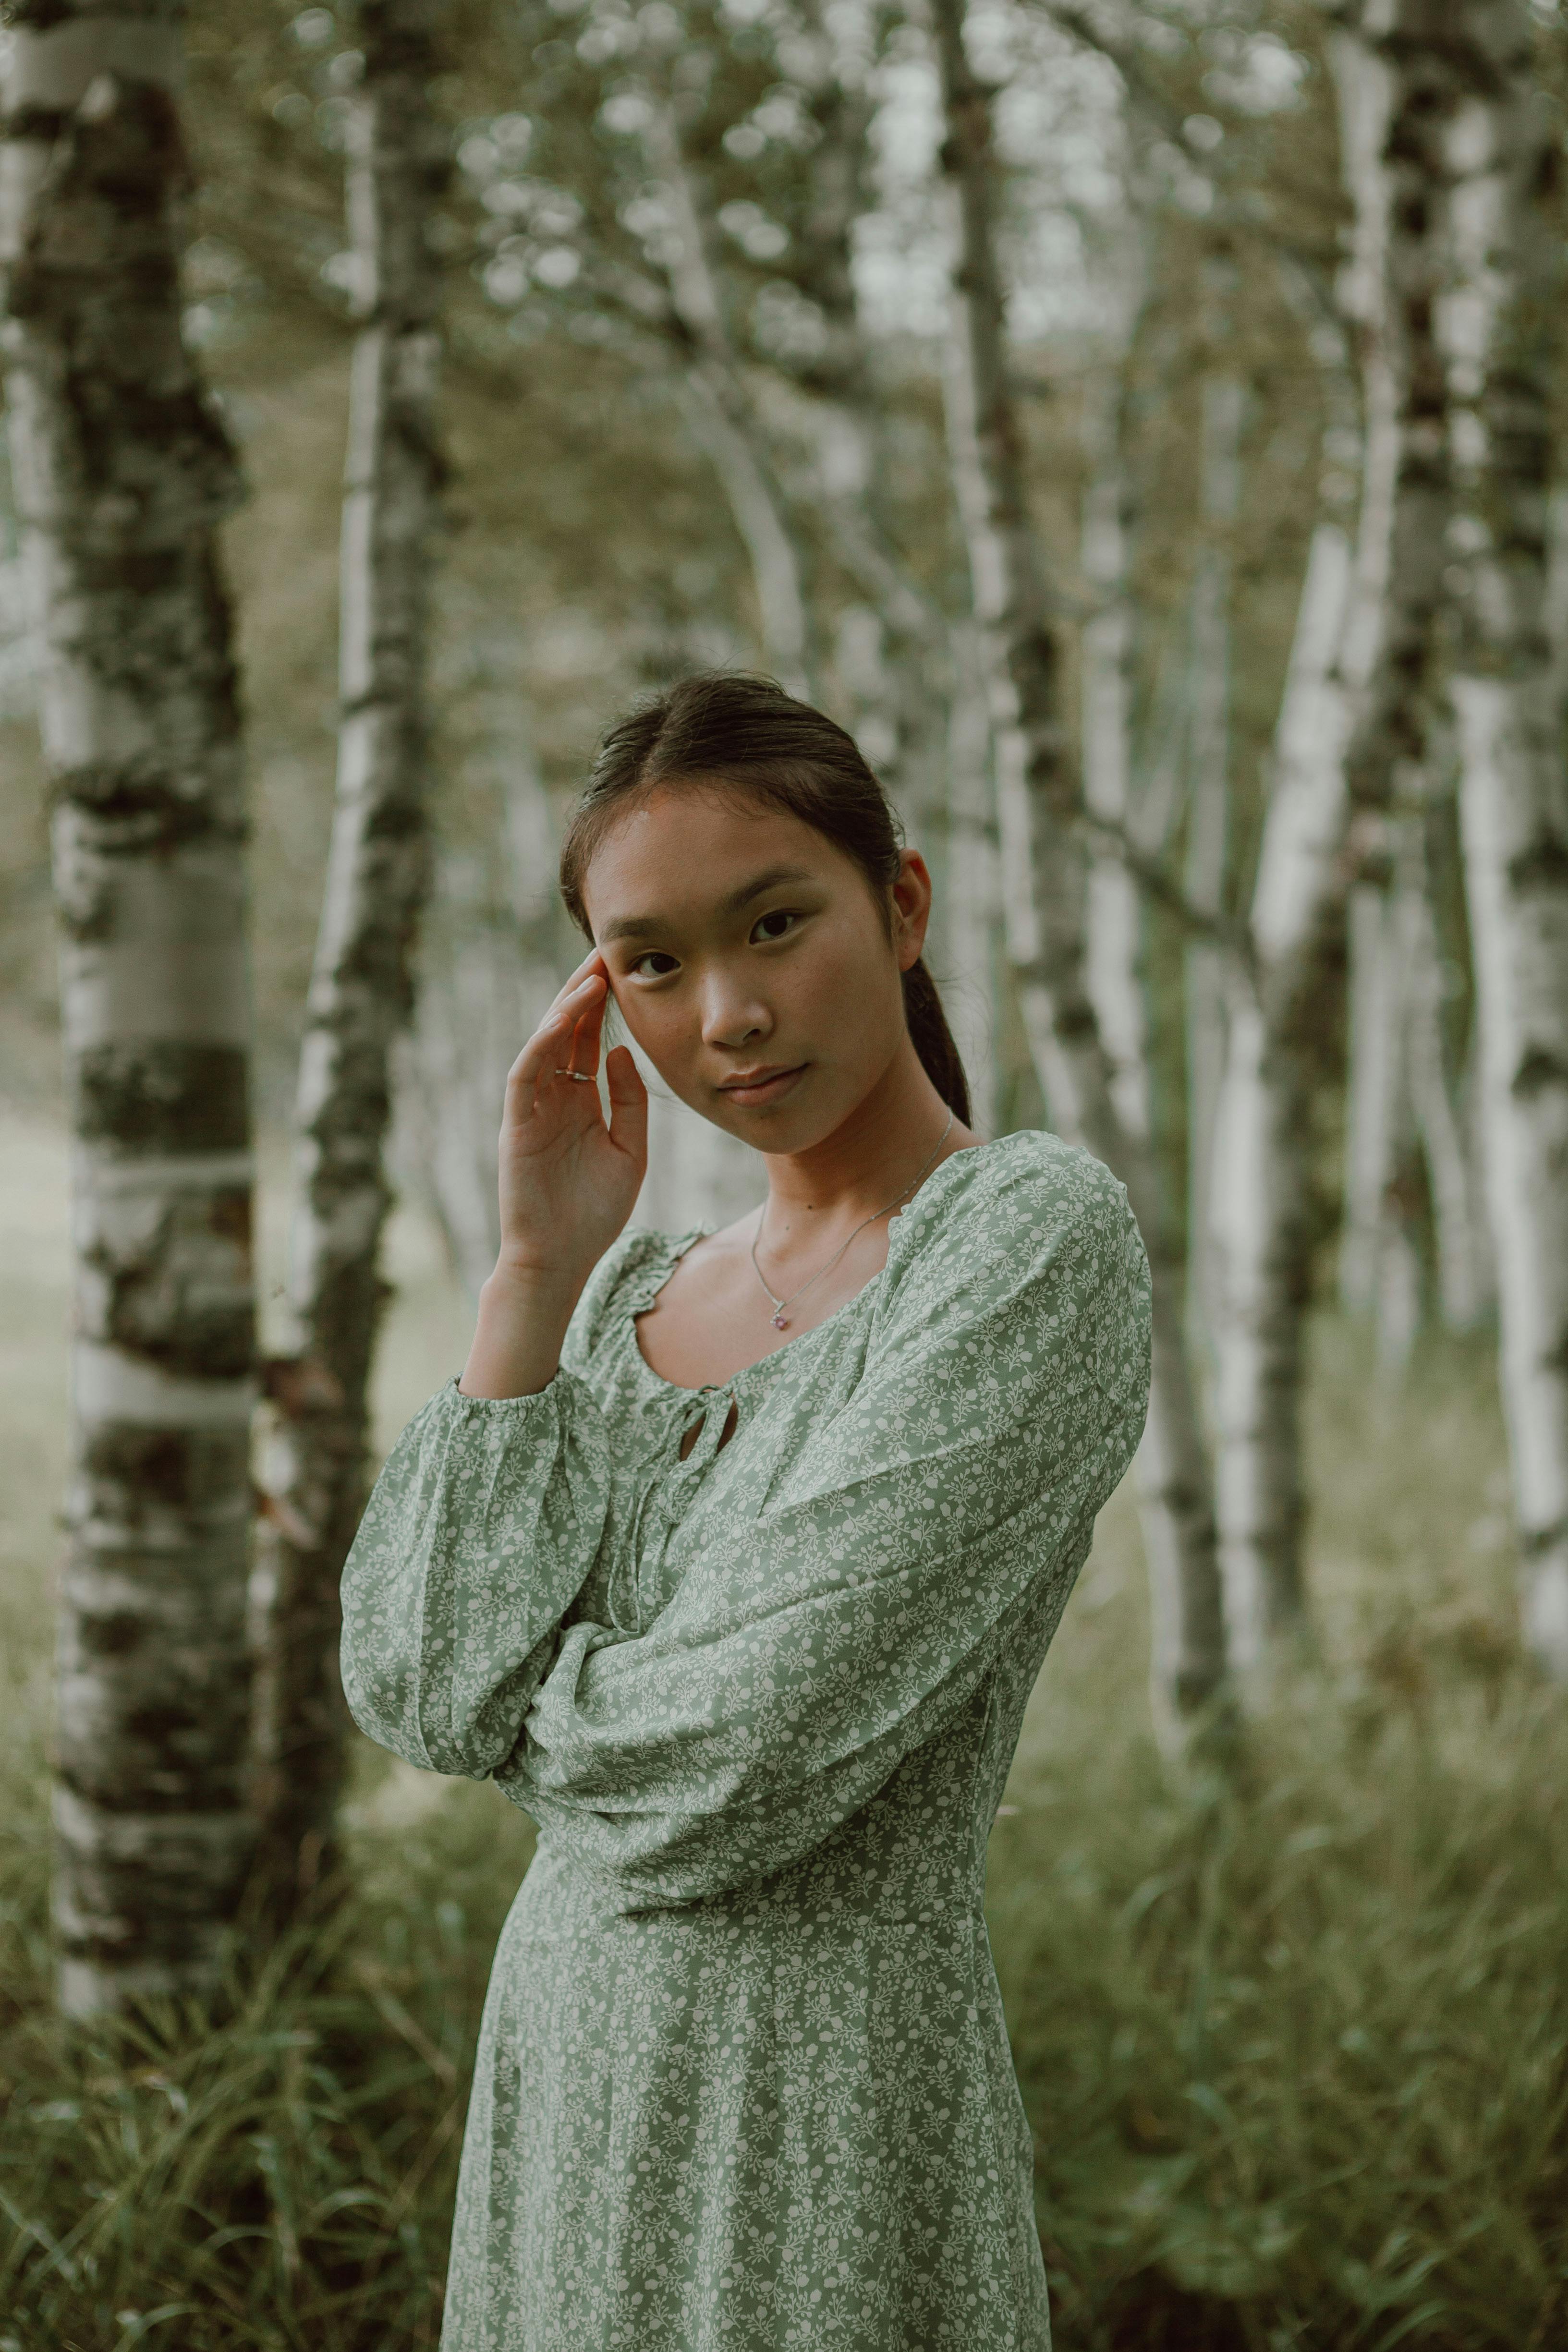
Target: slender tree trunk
(1499, 326)
(1372, 1052)
(723, 418)
(1401, 1283)
(840, 413)
(1187, 1649)
(361, 988)
(1461, 1242)
(974, 943)
(1208, 802)
(1046, 866)
(1461, 1245)
(1393, 65)
(122, 472)
(1405, 1130)
(1261, 1201)
(1260, 1198)
(1394, 75)
(488, 966)
(762, 520)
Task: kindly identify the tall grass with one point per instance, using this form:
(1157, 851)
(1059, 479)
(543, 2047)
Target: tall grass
(1294, 2042)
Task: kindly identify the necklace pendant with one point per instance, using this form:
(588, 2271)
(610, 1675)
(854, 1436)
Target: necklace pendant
(780, 1323)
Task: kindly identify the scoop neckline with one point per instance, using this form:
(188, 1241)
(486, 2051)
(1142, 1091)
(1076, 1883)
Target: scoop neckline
(665, 1260)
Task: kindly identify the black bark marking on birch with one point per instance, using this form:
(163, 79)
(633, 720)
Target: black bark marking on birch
(1543, 866)
(129, 1470)
(1539, 1071)
(156, 1307)
(42, 15)
(161, 1096)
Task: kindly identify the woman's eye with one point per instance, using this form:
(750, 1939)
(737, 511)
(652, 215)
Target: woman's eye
(654, 955)
(779, 915)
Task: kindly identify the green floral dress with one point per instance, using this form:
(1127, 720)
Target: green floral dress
(743, 2079)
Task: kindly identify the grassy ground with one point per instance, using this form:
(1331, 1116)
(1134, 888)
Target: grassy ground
(1295, 2046)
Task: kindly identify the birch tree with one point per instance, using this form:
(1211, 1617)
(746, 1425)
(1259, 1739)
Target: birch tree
(1223, 403)
(122, 472)
(1397, 74)
(360, 988)
(1499, 329)
(1260, 1203)
(723, 418)
(1046, 873)
(488, 959)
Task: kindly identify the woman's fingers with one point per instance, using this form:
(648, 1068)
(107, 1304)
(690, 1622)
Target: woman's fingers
(588, 1034)
(593, 965)
(628, 1104)
(550, 1046)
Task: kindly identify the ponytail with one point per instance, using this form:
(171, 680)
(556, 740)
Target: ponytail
(933, 1039)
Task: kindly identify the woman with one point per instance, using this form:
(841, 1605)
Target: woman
(733, 1557)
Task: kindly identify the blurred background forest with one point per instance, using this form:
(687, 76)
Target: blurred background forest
(1136, 421)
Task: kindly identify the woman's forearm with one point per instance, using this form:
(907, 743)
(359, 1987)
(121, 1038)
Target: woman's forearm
(522, 1323)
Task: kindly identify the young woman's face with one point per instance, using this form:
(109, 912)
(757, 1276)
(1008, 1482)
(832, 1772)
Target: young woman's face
(742, 945)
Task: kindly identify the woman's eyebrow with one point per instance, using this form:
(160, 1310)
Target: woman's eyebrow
(642, 927)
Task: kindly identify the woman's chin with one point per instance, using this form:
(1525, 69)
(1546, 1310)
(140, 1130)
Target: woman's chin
(788, 1116)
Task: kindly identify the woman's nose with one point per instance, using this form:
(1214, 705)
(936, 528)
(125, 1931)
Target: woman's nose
(731, 1016)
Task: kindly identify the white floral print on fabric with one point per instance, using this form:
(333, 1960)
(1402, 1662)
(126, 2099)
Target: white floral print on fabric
(744, 2077)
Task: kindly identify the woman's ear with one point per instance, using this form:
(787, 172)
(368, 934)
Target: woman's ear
(912, 908)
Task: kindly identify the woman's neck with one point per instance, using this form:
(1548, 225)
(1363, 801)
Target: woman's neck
(817, 1196)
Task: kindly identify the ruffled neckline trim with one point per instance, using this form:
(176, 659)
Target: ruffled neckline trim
(660, 1259)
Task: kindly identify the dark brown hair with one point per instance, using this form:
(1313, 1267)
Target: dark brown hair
(744, 734)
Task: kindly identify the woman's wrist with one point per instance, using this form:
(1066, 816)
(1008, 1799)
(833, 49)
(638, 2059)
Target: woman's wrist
(523, 1320)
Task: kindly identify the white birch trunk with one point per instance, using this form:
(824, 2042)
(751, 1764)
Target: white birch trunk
(1501, 336)
(487, 969)
(1465, 1282)
(1394, 72)
(361, 987)
(757, 510)
(723, 418)
(1395, 83)
(1398, 1111)
(838, 411)
(1259, 1200)
(1420, 1121)
(1373, 1047)
(1400, 1297)
(974, 943)
(1208, 802)
(1171, 1472)
(122, 473)
(488, 964)
(1044, 865)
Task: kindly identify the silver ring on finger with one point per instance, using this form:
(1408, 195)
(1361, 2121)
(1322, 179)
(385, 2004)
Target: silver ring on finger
(583, 1077)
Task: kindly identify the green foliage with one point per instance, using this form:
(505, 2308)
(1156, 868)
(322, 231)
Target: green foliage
(1296, 2049)
(273, 2171)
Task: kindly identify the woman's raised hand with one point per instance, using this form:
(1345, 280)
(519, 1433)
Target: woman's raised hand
(568, 1181)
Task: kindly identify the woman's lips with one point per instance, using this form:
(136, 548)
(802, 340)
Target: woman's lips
(766, 1090)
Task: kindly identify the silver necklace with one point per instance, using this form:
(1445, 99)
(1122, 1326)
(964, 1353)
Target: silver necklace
(779, 1320)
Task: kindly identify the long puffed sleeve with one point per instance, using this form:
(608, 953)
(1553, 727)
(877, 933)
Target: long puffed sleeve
(478, 1537)
(803, 1658)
